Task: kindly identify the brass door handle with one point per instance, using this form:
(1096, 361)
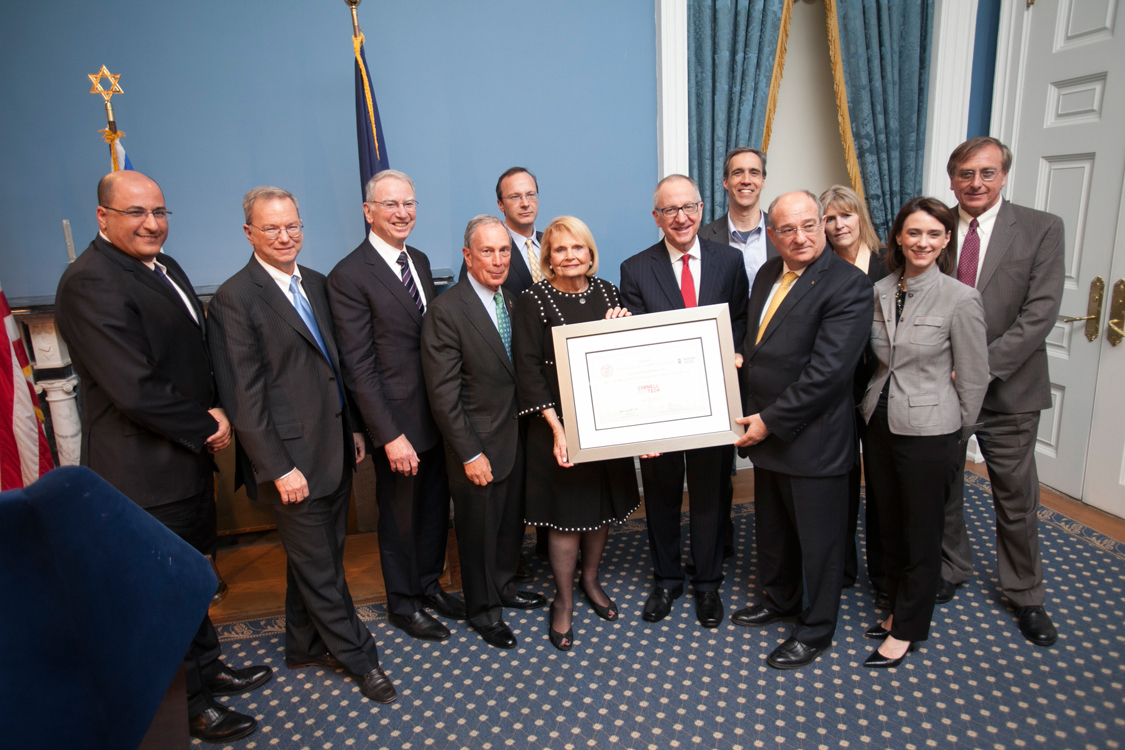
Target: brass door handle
(1113, 325)
(1116, 314)
(1084, 317)
(1093, 309)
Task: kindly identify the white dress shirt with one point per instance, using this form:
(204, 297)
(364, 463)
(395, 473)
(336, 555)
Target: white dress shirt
(777, 285)
(985, 224)
(754, 249)
(390, 254)
(674, 256)
(519, 242)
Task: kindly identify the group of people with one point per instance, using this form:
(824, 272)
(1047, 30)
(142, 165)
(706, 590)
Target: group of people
(457, 396)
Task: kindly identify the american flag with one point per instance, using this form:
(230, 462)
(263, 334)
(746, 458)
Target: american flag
(24, 453)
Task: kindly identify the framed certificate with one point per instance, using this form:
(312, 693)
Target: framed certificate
(648, 383)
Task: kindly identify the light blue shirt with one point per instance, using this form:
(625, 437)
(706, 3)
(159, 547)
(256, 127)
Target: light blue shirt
(486, 298)
(754, 249)
(519, 242)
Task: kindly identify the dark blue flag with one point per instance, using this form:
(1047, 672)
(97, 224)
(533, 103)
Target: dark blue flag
(369, 130)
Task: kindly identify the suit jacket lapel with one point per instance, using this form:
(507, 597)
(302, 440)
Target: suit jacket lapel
(800, 288)
(665, 278)
(759, 298)
(708, 277)
(182, 281)
(393, 282)
(518, 268)
(273, 297)
(1003, 231)
(318, 300)
(482, 321)
(887, 305)
(424, 279)
(148, 277)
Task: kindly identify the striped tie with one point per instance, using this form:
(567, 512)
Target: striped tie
(408, 281)
(533, 262)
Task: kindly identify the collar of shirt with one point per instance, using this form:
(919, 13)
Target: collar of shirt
(183, 295)
(985, 222)
(519, 242)
(756, 234)
(487, 298)
(282, 278)
(674, 254)
(390, 253)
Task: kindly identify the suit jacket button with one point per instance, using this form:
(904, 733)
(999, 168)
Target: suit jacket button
(331, 380)
(338, 414)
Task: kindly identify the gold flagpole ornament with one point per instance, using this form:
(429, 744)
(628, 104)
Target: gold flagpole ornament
(357, 44)
(110, 134)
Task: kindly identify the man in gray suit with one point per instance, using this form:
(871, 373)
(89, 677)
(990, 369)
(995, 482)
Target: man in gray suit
(1013, 256)
(297, 437)
(471, 381)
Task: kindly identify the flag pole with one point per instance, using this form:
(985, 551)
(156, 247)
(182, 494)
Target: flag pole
(353, 4)
(110, 134)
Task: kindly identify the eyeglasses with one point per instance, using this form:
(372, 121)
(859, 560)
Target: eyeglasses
(272, 233)
(690, 209)
(520, 197)
(393, 206)
(487, 253)
(140, 214)
(808, 229)
(968, 175)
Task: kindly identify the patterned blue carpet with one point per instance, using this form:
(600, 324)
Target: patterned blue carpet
(975, 684)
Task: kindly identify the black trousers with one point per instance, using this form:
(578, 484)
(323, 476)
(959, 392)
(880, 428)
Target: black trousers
(194, 520)
(800, 527)
(319, 614)
(909, 478)
(489, 525)
(871, 531)
(413, 528)
(708, 477)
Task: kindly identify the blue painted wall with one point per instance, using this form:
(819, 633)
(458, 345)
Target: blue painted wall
(221, 96)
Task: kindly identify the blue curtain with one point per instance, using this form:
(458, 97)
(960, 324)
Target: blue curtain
(885, 49)
(731, 49)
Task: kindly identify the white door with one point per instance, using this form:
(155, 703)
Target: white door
(1065, 121)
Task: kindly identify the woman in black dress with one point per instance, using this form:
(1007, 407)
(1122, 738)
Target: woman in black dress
(575, 502)
(851, 235)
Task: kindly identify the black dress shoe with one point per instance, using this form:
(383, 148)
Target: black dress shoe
(419, 625)
(496, 634)
(523, 571)
(219, 724)
(689, 568)
(447, 605)
(1036, 626)
(728, 551)
(946, 591)
(759, 614)
(237, 681)
(876, 632)
(793, 655)
(376, 686)
(659, 603)
(328, 661)
(525, 600)
(878, 661)
(709, 608)
(883, 600)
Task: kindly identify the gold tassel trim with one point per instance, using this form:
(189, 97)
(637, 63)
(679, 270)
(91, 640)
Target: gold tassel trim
(842, 98)
(357, 42)
(778, 68)
(112, 137)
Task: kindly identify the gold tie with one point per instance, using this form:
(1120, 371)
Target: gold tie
(533, 261)
(786, 282)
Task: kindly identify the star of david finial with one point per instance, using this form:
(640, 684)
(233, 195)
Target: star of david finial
(114, 86)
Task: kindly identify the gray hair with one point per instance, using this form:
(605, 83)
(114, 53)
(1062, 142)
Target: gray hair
(476, 223)
(386, 174)
(656, 192)
(265, 192)
(811, 197)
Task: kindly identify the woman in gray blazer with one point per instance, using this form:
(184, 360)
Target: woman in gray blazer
(929, 337)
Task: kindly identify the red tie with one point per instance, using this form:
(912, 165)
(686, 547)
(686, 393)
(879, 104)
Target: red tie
(687, 283)
(970, 254)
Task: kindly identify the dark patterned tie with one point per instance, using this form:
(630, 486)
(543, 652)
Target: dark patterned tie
(408, 281)
(503, 324)
(970, 256)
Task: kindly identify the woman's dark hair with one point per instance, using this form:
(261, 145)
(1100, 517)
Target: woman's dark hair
(947, 260)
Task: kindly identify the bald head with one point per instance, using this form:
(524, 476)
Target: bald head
(796, 228)
(125, 192)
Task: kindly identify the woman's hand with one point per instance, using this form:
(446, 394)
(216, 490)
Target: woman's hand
(617, 312)
(560, 447)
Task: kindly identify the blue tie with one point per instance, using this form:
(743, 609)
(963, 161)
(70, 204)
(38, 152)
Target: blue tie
(306, 313)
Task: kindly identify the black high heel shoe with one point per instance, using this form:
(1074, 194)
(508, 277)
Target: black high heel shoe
(608, 612)
(561, 641)
(878, 661)
(876, 632)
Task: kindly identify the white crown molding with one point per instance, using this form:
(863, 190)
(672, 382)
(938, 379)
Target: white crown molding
(951, 78)
(672, 87)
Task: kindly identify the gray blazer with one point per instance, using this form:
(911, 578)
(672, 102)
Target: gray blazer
(1021, 285)
(942, 329)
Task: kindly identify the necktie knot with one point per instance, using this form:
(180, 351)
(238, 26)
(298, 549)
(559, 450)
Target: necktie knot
(402, 259)
(974, 224)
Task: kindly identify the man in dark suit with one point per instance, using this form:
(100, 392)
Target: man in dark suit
(517, 196)
(682, 271)
(1014, 257)
(297, 440)
(466, 355)
(743, 227)
(379, 294)
(138, 336)
(810, 316)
